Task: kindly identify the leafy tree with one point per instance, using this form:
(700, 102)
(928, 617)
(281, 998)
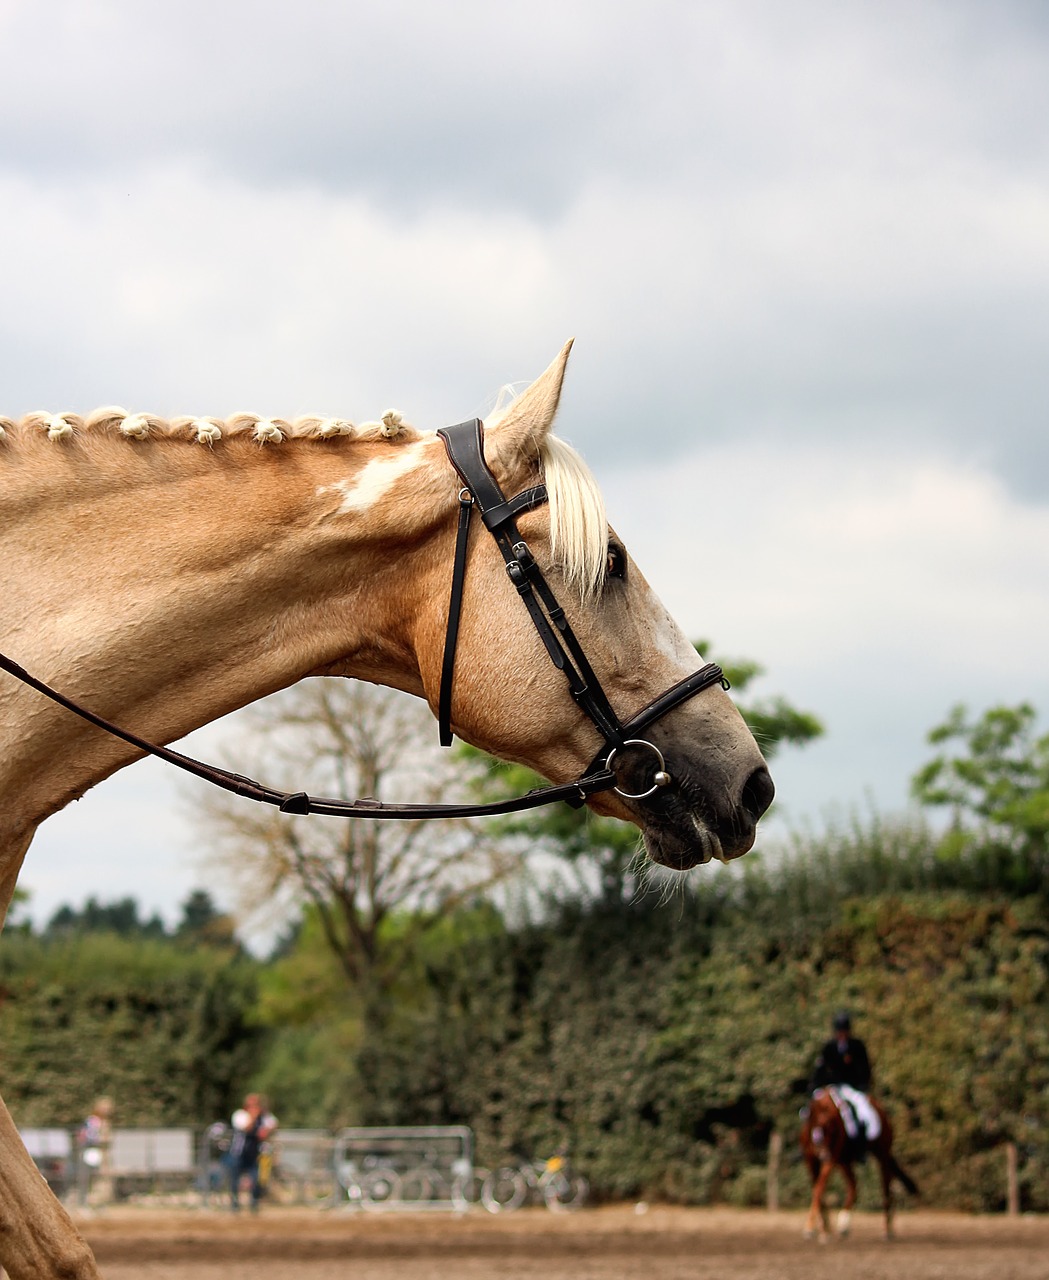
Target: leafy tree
(311, 1070)
(202, 922)
(120, 917)
(773, 721)
(18, 903)
(993, 776)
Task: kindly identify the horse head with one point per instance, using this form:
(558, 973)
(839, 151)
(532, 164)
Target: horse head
(510, 700)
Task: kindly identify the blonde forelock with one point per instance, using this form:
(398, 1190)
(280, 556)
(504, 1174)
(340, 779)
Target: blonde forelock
(578, 523)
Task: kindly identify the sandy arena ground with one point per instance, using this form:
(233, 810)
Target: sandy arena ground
(613, 1243)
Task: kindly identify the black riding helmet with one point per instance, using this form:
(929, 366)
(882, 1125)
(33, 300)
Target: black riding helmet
(842, 1021)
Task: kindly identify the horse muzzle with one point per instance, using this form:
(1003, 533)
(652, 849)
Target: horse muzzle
(683, 827)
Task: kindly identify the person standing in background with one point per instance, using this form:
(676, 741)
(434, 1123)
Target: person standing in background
(252, 1126)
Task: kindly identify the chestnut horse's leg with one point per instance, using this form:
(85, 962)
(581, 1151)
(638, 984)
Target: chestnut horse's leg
(814, 1172)
(885, 1169)
(817, 1220)
(38, 1240)
(845, 1214)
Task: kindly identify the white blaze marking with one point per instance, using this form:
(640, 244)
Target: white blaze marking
(376, 479)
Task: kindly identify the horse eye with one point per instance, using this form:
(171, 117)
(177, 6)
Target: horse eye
(615, 566)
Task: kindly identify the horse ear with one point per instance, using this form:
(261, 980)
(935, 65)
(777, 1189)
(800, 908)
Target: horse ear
(515, 434)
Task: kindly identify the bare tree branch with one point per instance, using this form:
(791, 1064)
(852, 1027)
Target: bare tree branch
(337, 736)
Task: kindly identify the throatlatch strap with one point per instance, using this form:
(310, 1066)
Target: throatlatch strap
(455, 608)
(464, 444)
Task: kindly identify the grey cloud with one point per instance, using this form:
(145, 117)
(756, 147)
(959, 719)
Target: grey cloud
(408, 102)
(762, 221)
(780, 232)
(518, 105)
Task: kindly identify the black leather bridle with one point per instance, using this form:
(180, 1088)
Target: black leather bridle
(465, 447)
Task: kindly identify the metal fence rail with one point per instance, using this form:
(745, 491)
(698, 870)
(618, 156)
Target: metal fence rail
(52, 1149)
(423, 1168)
(304, 1167)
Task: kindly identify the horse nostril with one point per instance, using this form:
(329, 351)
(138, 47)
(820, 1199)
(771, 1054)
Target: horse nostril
(758, 793)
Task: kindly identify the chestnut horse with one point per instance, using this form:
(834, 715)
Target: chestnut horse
(826, 1146)
(165, 572)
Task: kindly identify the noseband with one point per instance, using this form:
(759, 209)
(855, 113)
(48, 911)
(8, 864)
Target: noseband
(465, 447)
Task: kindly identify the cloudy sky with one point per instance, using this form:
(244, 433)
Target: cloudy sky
(803, 248)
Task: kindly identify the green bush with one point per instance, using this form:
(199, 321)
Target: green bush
(163, 1030)
(663, 1044)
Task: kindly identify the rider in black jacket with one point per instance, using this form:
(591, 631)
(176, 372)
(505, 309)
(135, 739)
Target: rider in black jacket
(843, 1059)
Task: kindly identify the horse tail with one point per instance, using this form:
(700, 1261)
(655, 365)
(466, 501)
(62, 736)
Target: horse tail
(897, 1171)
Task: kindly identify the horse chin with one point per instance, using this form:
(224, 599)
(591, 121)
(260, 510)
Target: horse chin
(690, 845)
(684, 827)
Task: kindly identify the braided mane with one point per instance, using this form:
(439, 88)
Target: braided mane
(579, 528)
(143, 426)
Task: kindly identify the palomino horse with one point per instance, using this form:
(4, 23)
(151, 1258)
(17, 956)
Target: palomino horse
(825, 1146)
(164, 573)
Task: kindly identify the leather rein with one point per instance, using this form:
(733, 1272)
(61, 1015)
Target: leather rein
(465, 447)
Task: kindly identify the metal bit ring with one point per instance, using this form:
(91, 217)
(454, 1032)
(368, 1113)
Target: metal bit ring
(662, 778)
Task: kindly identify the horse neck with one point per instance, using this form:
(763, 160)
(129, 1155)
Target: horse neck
(170, 588)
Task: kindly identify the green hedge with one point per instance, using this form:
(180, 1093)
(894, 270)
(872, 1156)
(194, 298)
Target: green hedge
(665, 1044)
(662, 1043)
(163, 1030)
